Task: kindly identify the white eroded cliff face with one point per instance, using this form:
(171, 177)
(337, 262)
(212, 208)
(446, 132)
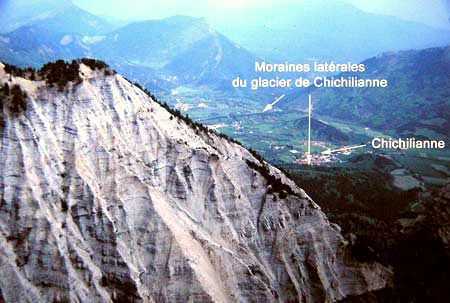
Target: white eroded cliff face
(106, 197)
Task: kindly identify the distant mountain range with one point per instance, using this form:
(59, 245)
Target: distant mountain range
(181, 50)
(325, 30)
(415, 103)
(56, 15)
(158, 53)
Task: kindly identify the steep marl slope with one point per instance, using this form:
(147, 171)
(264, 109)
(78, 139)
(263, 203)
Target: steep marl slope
(107, 197)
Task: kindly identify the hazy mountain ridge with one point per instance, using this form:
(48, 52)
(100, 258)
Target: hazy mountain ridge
(107, 197)
(58, 15)
(214, 60)
(173, 51)
(153, 43)
(326, 30)
(35, 45)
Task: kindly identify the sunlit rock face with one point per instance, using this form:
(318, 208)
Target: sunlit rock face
(107, 197)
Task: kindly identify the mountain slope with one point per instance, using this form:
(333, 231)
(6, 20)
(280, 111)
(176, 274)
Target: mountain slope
(322, 131)
(213, 60)
(416, 100)
(325, 30)
(107, 197)
(185, 50)
(153, 43)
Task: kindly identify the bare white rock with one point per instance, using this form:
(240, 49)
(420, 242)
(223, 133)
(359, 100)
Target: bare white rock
(105, 197)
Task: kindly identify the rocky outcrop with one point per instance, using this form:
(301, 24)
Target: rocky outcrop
(107, 197)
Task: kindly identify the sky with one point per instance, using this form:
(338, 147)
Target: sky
(435, 13)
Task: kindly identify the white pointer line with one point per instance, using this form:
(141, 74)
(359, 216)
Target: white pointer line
(329, 151)
(308, 155)
(271, 105)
